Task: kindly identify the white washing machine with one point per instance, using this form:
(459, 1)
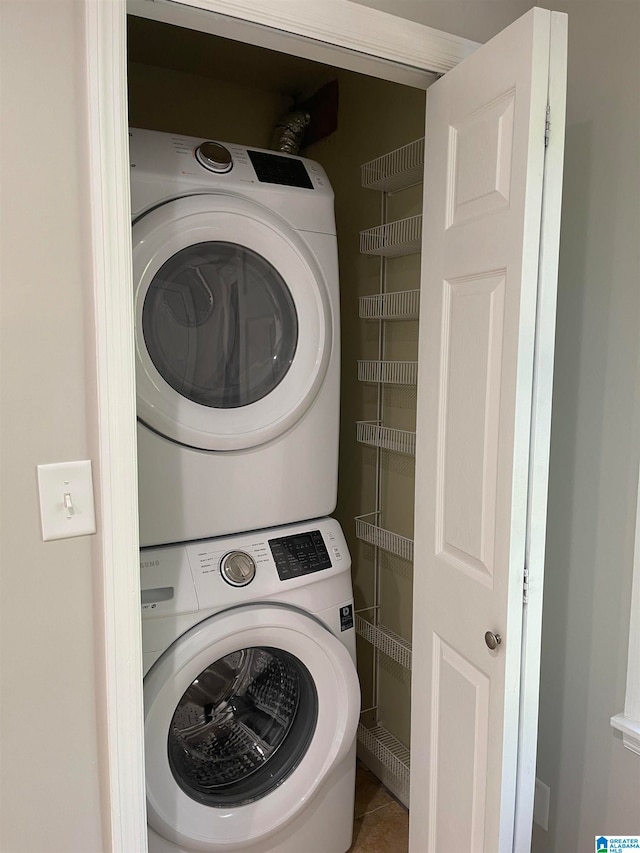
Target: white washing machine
(251, 692)
(237, 337)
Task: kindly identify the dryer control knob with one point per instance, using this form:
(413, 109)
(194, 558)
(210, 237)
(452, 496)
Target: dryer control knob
(214, 157)
(238, 568)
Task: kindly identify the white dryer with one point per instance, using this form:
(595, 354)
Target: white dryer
(237, 337)
(251, 692)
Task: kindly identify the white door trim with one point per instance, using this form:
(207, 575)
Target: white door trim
(333, 22)
(336, 32)
(541, 434)
(122, 773)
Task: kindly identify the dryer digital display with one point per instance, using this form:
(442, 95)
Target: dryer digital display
(274, 169)
(300, 554)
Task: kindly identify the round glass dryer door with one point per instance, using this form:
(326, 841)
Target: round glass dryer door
(233, 322)
(220, 325)
(245, 716)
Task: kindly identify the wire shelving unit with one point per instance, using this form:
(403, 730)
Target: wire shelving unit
(388, 174)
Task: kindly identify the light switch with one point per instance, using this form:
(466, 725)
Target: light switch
(541, 804)
(66, 500)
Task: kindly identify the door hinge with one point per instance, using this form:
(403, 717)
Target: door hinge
(547, 126)
(525, 585)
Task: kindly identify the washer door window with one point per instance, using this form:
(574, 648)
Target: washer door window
(242, 726)
(246, 715)
(233, 324)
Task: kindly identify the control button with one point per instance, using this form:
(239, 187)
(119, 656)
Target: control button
(238, 568)
(214, 157)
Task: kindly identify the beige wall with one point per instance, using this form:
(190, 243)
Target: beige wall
(478, 20)
(48, 731)
(595, 782)
(175, 102)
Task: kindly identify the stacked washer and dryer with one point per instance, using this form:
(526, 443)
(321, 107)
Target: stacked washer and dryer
(251, 692)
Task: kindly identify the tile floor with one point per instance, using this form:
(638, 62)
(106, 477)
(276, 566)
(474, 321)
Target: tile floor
(381, 824)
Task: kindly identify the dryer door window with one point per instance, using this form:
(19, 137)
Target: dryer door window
(234, 321)
(242, 726)
(220, 325)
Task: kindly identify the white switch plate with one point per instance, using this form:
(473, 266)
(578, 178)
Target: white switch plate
(66, 500)
(541, 804)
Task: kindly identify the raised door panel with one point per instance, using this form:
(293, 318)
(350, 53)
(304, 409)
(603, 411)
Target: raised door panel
(473, 312)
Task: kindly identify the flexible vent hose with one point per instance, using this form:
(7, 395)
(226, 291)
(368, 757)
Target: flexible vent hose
(289, 131)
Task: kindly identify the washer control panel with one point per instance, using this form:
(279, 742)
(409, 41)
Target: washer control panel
(299, 554)
(295, 559)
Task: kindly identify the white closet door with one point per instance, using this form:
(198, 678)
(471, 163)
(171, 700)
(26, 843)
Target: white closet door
(484, 173)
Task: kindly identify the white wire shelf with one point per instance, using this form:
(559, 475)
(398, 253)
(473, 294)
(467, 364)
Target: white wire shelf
(385, 640)
(369, 531)
(389, 372)
(402, 237)
(396, 170)
(388, 751)
(387, 438)
(401, 305)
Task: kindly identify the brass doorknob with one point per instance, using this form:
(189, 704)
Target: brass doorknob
(492, 640)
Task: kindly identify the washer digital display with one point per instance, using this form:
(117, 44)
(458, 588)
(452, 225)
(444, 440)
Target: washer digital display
(299, 554)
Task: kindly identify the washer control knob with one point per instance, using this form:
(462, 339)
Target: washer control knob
(238, 568)
(214, 157)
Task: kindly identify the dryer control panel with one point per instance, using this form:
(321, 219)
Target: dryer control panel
(165, 166)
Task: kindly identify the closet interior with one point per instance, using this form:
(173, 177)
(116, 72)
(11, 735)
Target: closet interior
(368, 137)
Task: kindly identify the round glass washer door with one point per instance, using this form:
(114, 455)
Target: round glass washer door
(233, 322)
(245, 715)
(242, 726)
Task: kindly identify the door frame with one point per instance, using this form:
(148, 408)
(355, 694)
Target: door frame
(537, 497)
(337, 32)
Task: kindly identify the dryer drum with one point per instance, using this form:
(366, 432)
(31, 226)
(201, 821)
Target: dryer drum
(188, 299)
(220, 325)
(242, 726)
